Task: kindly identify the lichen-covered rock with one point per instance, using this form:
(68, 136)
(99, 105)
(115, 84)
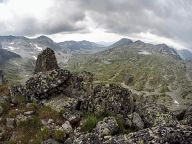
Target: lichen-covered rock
(21, 118)
(10, 122)
(188, 116)
(50, 141)
(62, 103)
(157, 135)
(112, 98)
(155, 115)
(128, 79)
(2, 133)
(44, 84)
(16, 92)
(80, 85)
(1, 110)
(89, 138)
(137, 122)
(107, 126)
(46, 61)
(67, 128)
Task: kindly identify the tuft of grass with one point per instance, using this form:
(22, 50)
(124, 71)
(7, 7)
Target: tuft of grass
(28, 129)
(42, 135)
(59, 135)
(90, 123)
(4, 90)
(48, 113)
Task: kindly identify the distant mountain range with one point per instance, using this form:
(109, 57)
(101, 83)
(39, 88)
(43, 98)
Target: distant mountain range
(81, 46)
(29, 48)
(146, 48)
(185, 54)
(7, 55)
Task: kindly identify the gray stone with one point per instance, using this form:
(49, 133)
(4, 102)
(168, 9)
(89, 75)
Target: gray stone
(67, 128)
(155, 115)
(106, 127)
(137, 122)
(1, 110)
(10, 122)
(157, 135)
(50, 141)
(188, 116)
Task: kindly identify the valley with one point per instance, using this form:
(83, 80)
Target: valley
(158, 71)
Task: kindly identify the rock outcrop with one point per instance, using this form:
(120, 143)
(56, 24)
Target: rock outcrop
(46, 61)
(156, 135)
(154, 115)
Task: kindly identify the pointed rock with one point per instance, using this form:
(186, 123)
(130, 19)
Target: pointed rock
(46, 61)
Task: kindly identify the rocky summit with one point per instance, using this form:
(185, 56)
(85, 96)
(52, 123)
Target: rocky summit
(58, 106)
(46, 61)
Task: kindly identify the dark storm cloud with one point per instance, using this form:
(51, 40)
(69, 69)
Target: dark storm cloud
(171, 19)
(166, 18)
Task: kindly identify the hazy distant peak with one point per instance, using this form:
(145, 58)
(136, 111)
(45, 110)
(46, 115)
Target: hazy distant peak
(139, 42)
(122, 42)
(44, 38)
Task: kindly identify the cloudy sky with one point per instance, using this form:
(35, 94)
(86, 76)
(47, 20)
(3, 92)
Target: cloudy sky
(156, 21)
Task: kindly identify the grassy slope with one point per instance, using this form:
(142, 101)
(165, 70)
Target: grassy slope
(152, 73)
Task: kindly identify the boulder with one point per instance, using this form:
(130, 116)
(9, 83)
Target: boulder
(128, 79)
(156, 115)
(112, 98)
(50, 141)
(137, 122)
(46, 61)
(10, 122)
(89, 138)
(157, 135)
(106, 127)
(1, 110)
(188, 116)
(67, 128)
(2, 133)
(45, 84)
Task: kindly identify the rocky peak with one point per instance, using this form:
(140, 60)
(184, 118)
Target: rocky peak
(46, 61)
(44, 38)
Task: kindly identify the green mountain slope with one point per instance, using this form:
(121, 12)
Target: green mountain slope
(154, 73)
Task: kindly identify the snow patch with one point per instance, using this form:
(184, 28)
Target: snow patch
(38, 48)
(35, 57)
(144, 53)
(106, 62)
(176, 102)
(17, 64)
(12, 48)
